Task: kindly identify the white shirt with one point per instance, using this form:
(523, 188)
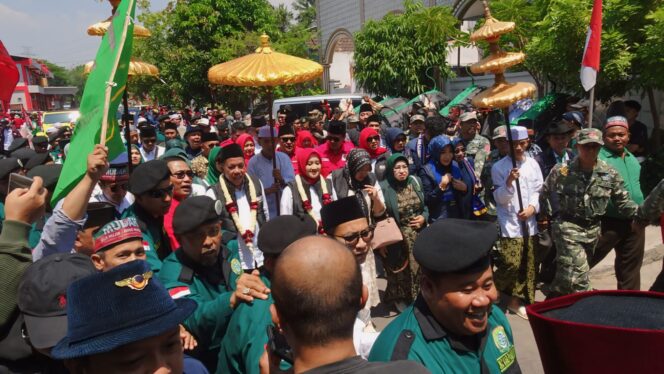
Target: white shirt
(507, 201)
(99, 197)
(149, 156)
(248, 259)
(261, 167)
(286, 204)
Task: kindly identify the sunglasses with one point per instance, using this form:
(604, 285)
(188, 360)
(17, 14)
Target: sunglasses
(288, 139)
(373, 139)
(183, 173)
(160, 193)
(352, 239)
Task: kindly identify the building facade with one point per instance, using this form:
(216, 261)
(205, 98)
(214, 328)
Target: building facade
(33, 92)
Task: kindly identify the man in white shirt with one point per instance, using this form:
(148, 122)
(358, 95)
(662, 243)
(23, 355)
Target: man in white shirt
(515, 266)
(112, 187)
(149, 148)
(261, 167)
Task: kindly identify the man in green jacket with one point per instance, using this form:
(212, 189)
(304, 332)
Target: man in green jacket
(204, 271)
(246, 336)
(617, 231)
(453, 326)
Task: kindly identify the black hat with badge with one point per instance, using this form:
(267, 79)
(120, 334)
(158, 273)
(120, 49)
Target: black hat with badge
(278, 233)
(455, 246)
(340, 211)
(8, 166)
(147, 176)
(48, 173)
(194, 212)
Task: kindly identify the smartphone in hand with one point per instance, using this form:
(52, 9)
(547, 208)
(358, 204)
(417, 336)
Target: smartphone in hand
(278, 345)
(18, 181)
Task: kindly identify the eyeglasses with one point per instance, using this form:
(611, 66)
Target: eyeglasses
(183, 173)
(333, 139)
(160, 193)
(373, 139)
(288, 139)
(117, 187)
(352, 239)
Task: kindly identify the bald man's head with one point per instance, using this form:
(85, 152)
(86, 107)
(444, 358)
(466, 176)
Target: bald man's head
(317, 290)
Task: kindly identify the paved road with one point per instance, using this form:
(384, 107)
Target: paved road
(602, 278)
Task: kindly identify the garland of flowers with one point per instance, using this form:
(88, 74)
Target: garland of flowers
(306, 203)
(231, 207)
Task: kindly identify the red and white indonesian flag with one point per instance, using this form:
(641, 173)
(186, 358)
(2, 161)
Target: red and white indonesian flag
(590, 63)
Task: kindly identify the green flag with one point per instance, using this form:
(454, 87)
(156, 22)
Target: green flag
(101, 97)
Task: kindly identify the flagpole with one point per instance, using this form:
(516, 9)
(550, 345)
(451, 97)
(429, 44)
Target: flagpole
(591, 108)
(110, 84)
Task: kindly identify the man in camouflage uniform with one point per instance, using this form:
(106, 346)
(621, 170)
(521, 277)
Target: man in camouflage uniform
(575, 196)
(473, 141)
(499, 138)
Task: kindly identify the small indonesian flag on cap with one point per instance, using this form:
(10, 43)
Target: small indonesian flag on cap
(179, 292)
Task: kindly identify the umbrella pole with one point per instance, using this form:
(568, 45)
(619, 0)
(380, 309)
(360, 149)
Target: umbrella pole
(125, 121)
(270, 100)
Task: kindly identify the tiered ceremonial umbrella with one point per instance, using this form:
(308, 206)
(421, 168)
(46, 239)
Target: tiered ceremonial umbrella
(136, 68)
(265, 68)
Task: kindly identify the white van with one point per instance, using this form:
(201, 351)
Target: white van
(302, 105)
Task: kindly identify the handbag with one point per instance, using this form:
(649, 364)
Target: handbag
(387, 232)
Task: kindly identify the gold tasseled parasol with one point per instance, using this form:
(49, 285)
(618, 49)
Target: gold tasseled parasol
(135, 68)
(264, 68)
(503, 94)
(100, 28)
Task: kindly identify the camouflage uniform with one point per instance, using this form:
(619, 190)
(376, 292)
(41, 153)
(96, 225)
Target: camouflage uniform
(576, 200)
(653, 206)
(473, 148)
(487, 182)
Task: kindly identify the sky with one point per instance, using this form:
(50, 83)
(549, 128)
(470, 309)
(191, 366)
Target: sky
(55, 30)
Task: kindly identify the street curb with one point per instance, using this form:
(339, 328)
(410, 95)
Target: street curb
(651, 255)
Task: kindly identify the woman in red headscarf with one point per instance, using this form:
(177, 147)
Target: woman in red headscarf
(370, 142)
(246, 142)
(305, 139)
(310, 190)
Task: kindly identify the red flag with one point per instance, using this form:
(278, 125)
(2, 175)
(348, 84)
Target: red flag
(590, 63)
(8, 77)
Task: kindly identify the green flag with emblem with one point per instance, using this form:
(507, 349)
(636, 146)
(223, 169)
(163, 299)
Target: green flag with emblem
(101, 97)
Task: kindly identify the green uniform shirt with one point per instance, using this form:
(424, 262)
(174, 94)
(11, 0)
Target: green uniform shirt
(155, 240)
(211, 288)
(477, 150)
(630, 170)
(246, 337)
(416, 335)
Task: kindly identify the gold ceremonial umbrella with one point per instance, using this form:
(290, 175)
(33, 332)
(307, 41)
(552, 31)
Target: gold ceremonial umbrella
(100, 28)
(265, 68)
(135, 68)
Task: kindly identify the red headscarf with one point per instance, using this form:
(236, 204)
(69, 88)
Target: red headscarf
(365, 134)
(303, 155)
(241, 141)
(302, 135)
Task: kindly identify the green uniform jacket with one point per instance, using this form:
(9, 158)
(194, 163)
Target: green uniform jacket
(630, 170)
(416, 335)
(155, 240)
(246, 337)
(210, 287)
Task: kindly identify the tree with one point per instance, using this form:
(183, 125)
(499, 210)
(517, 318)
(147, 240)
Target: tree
(284, 17)
(60, 74)
(394, 56)
(306, 12)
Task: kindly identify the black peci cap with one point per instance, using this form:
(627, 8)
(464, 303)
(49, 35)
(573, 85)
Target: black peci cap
(336, 127)
(340, 211)
(282, 231)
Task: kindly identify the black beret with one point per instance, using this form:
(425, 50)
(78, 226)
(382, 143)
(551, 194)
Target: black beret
(49, 173)
(375, 118)
(366, 108)
(194, 212)
(230, 151)
(286, 130)
(7, 166)
(37, 159)
(170, 126)
(455, 245)
(147, 176)
(336, 127)
(39, 139)
(340, 211)
(17, 143)
(147, 131)
(209, 136)
(280, 232)
(99, 214)
(24, 155)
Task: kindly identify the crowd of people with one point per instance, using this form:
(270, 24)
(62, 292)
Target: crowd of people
(228, 244)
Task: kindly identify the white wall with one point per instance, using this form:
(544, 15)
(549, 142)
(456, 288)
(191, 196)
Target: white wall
(340, 71)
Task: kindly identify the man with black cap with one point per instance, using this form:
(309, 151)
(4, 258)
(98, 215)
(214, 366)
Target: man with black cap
(316, 318)
(113, 186)
(149, 148)
(170, 131)
(453, 326)
(204, 270)
(199, 165)
(287, 143)
(246, 337)
(145, 337)
(40, 144)
(151, 185)
(366, 110)
(558, 135)
(193, 136)
(335, 149)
